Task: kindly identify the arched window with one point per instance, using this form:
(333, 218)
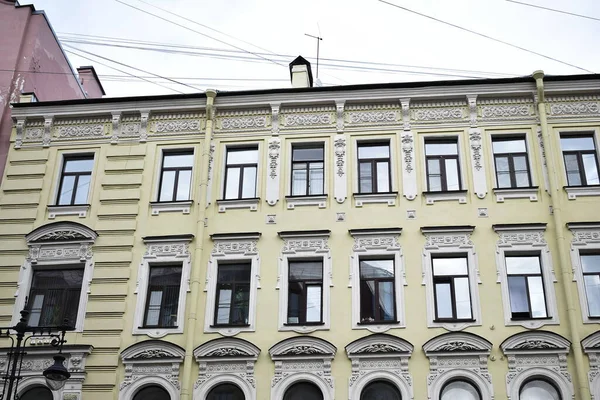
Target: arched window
(538, 390)
(37, 393)
(303, 391)
(225, 391)
(152, 393)
(380, 390)
(460, 390)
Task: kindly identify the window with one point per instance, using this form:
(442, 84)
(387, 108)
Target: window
(526, 287)
(581, 161)
(538, 389)
(54, 296)
(307, 170)
(511, 162)
(75, 180)
(451, 289)
(37, 393)
(380, 390)
(443, 172)
(240, 173)
(225, 391)
(374, 171)
(152, 393)
(590, 265)
(377, 294)
(305, 292)
(233, 294)
(162, 302)
(176, 176)
(303, 391)
(460, 390)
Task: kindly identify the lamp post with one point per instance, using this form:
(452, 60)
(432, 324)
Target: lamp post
(56, 375)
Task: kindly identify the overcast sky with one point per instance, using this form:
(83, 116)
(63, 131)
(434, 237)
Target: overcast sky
(260, 37)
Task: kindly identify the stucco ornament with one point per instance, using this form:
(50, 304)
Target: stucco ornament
(339, 152)
(250, 122)
(308, 119)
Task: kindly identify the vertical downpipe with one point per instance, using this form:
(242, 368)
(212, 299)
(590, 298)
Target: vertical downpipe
(582, 390)
(194, 304)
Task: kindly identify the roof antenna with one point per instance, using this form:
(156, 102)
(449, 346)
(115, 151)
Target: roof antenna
(318, 42)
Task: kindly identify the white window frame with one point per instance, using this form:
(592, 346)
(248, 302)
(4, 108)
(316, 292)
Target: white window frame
(574, 191)
(591, 347)
(380, 357)
(251, 204)
(537, 354)
(586, 237)
(460, 195)
(226, 360)
(308, 200)
(57, 244)
(458, 356)
(162, 250)
(298, 246)
(521, 239)
(228, 248)
(182, 206)
(514, 193)
(372, 244)
(302, 359)
(373, 198)
(450, 241)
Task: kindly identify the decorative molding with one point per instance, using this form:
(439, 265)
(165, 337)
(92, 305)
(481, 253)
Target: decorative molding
(273, 171)
(302, 201)
(426, 114)
(580, 108)
(458, 342)
(591, 346)
(372, 117)
(507, 111)
(456, 195)
(478, 162)
(47, 138)
(340, 177)
(144, 117)
(586, 238)
(307, 119)
(373, 198)
(275, 118)
(580, 191)
(472, 102)
(405, 104)
(80, 210)
(251, 204)
(19, 124)
(171, 206)
(176, 123)
(81, 131)
(409, 174)
(339, 107)
(116, 121)
(242, 123)
(516, 193)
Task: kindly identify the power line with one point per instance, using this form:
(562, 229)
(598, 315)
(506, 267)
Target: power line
(555, 10)
(483, 35)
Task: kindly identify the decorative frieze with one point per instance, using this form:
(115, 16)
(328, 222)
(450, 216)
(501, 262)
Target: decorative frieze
(273, 171)
(307, 119)
(183, 123)
(253, 122)
(584, 108)
(240, 247)
(372, 117)
(339, 111)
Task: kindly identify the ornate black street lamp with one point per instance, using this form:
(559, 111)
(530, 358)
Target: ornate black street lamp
(56, 375)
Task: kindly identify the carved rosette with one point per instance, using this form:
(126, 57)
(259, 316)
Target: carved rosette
(81, 131)
(178, 124)
(507, 111)
(438, 114)
(245, 122)
(377, 117)
(578, 108)
(299, 119)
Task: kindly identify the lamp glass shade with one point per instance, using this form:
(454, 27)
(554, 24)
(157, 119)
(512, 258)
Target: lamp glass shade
(56, 375)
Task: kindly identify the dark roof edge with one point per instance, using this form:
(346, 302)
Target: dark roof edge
(91, 67)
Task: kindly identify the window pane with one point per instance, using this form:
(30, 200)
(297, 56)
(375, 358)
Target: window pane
(509, 146)
(232, 186)
(386, 300)
(178, 160)
(571, 163)
(438, 149)
(443, 300)
(435, 183)
(379, 151)
(66, 190)
(592, 291)
(294, 298)
(383, 177)
(449, 266)
(380, 390)
(591, 169)
(504, 180)
(60, 292)
(502, 164)
(165, 275)
(223, 307)
(460, 390)
(224, 391)
(522, 179)
(537, 390)
(520, 163)
(306, 270)
(463, 298)
(166, 186)
(590, 262)
(536, 297)
(517, 289)
(452, 174)
(434, 175)
(79, 165)
(574, 179)
(234, 273)
(36, 310)
(153, 313)
(377, 268)
(241, 304)
(316, 178)
(249, 189)
(523, 265)
(367, 301)
(366, 178)
(183, 185)
(299, 182)
(247, 156)
(313, 303)
(82, 189)
(577, 143)
(307, 154)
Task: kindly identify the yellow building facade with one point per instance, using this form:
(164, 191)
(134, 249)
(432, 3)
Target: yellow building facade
(393, 241)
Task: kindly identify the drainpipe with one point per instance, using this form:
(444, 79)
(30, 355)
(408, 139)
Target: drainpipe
(186, 380)
(582, 390)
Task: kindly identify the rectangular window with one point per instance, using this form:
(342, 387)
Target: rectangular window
(451, 289)
(75, 180)
(305, 292)
(307, 170)
(54, 296)
(443, 171)
(511, 162)
(162, 298)
(581, 160)
(233, 294)
(176, 176)
(240, 173)
(377, 292)
(526, 287)
(374, 174)
(590, 264)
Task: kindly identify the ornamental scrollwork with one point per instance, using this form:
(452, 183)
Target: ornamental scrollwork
(244, 122)
(152, 353)
(340, 152)
(81, 130)
(457, 346)
(302, 350)
(227, 352)
(407, 149)
(475, 137)
(575, 108)
(536, 344)
(62, 235)
(235, 247)
(512, 238)
(505, 111)
(372, 117)
(274, 147)
(175, 126)
(378, 348)
(307, 119)
(437, 114)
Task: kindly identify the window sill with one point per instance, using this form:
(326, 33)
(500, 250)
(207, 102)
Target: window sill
(530, 193)
(305, 324)
(251, 204)
(170, 206)
(157, 332)
(228, 330)
(378, 323)
(230, 326)
(533, 323)
(304, 328)
(450, 195)
(579, 191)
(370, 198)
(453, 326)
(378, 326)
(313, 200)
(80, 210)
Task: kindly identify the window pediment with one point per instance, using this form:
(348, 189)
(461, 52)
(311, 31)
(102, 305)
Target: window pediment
(457, 342)
(379, 344)
(61, 232)
(591, 343)
(539, 341)
(301, 347)
(227, 347)
(156, 350)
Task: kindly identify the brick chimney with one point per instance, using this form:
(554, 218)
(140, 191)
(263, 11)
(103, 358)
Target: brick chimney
(301, 73)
